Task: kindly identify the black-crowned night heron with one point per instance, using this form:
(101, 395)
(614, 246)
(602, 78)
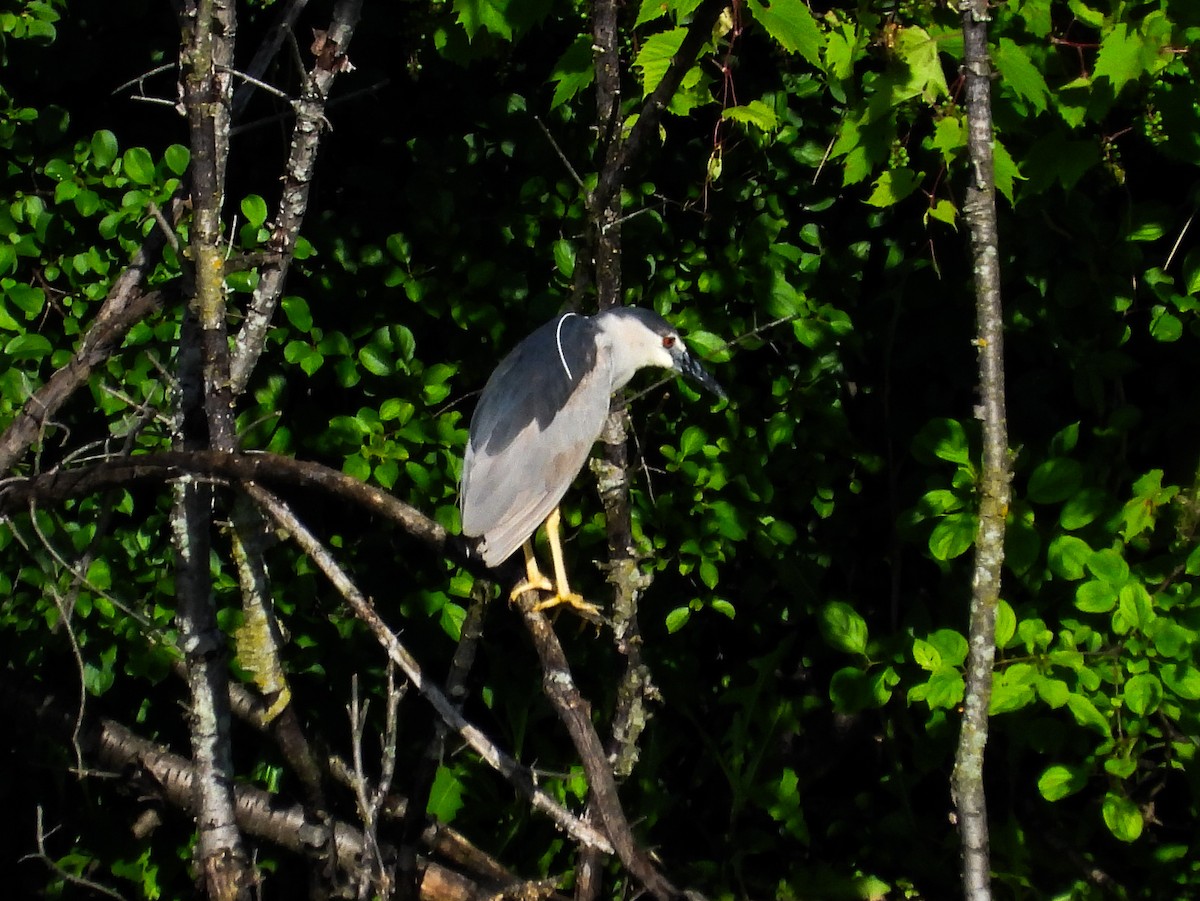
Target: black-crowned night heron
(537, 419)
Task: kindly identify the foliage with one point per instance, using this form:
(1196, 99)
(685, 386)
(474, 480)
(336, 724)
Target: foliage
(808, 541)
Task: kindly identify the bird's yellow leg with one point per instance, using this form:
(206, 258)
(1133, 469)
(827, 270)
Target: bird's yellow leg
(533, 576)
(562, 590)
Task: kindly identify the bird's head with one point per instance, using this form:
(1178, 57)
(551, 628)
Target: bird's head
(642, 338)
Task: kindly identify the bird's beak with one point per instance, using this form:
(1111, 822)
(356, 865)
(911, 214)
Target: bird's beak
(686, 365)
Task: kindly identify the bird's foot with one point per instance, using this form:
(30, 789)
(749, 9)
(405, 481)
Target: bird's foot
(534, 582)
(585, 609)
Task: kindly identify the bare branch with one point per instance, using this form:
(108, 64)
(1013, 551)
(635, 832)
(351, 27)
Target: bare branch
(293, 205)
(980, 212)
(60, 484)
(267, 50)
(575, 714)
(160, 773)
(65, 876)
(500, 761)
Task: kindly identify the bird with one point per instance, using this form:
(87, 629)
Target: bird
(537, 418)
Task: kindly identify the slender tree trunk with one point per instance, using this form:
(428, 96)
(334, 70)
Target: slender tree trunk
(207, 421)
(980, 213)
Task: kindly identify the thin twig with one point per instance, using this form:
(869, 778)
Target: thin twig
(1175, 247)
(258, 83)
(58, 871)
(141, 78)
(499, 760)
(559, 151)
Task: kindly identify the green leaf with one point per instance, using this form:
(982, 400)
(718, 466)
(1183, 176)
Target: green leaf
(709, 347)
(1004, 170)
(1086, 714)
(1020, 74)
(790, 23)
(177, 158)
(1109, 565)
(375, 360)
(489, 15)
(1182, 679)
(28, 347)
(99, 574)
(1171, 640)
(893, 186)
(943, 211)
(445, 796)
(1068, 556)
(843, 628)
(58, 169)
(1122, 817)
(28, 299)
(1165, 326)
(951, 645)
(952, 536)
(1143, 693)
(785, 302)
(297, 312)
(1055, 480)
(254, 208)
(945, 439)
(564, 257)
(654, 58)
(924, 74)
(451, 618)
(926, 655)
(649, 10)
(786, 808)
(1006, 624)
(574, 70)
(950, 136)
(944, 690)
(1086, 14)
(1191, 272)
(138, 165)
(104, 149)
(1012, 688)
(852, 690)
(1095, 596)
(1059, 781)
(692, 440)
(754, 113)
(678, 618)
(1120, 58)
(1135, 605)
(1053, 692)
(1082, 508)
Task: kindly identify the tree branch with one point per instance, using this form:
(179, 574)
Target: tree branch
(699, 32)
(500, 761)
(576, 715)
(156, 771)
(126, 305)
(62, 484)
(980, 212)
(297, 179)
(207, 58)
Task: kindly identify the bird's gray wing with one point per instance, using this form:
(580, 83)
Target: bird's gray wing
(535, 381)
(523, 454)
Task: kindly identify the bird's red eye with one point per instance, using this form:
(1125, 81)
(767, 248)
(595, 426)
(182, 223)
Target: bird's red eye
(668, 340)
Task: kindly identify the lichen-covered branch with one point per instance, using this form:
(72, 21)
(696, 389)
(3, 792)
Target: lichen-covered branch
(980, 213)
(576, 716)
(293, 204)
(518, 776)
(209, 30)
